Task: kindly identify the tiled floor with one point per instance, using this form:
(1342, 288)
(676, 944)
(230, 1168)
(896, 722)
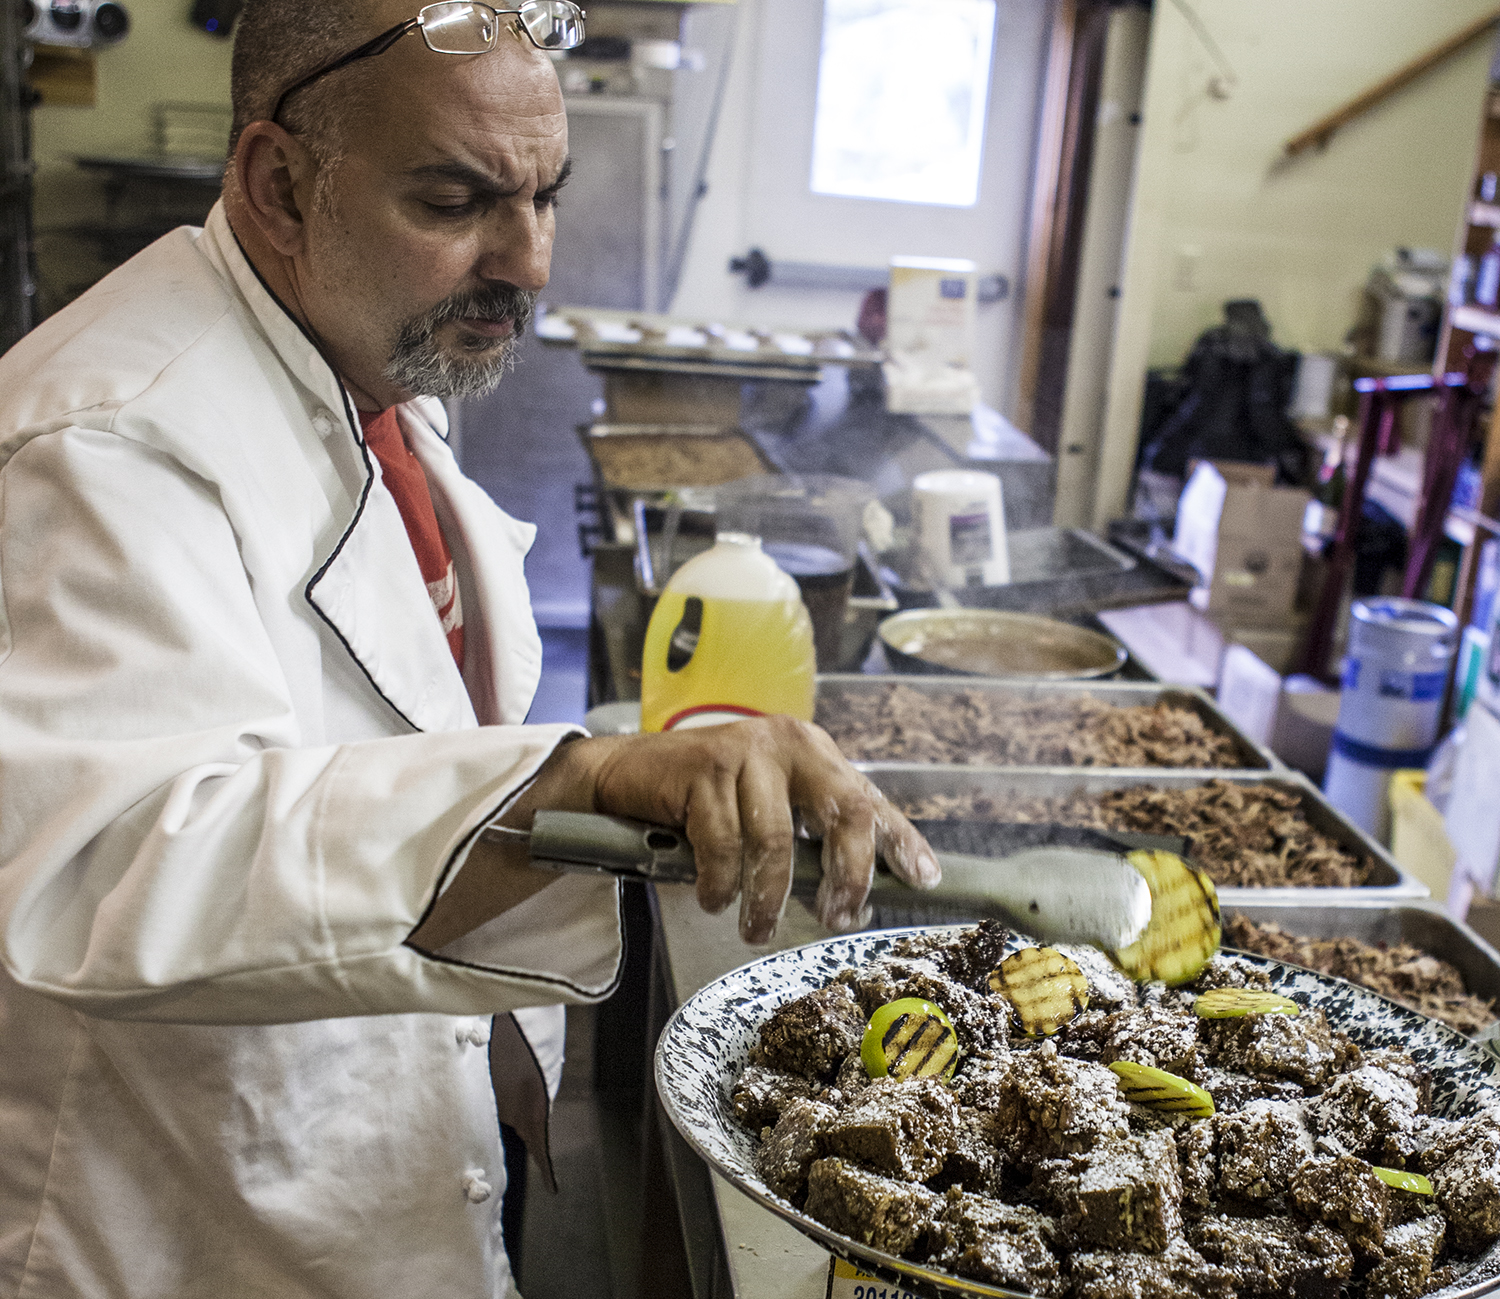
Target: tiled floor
(580, 1242)
(562, 694)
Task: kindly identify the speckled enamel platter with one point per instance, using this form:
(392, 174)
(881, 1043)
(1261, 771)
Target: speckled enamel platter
(707, 1043)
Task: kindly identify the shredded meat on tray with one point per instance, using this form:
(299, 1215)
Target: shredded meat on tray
(990, 728)
(1243, 835)
(1403, 973)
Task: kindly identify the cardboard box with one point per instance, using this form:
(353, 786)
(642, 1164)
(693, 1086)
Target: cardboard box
(930, 317)
(1244, 536)
(930, 311)
(1484, 919)
(1275, 646)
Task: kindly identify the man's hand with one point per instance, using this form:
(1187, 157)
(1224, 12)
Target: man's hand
(735, 790)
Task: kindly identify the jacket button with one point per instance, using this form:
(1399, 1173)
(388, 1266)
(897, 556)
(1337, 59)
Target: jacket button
(322, 424)
(472, 1034)
(476, 1189)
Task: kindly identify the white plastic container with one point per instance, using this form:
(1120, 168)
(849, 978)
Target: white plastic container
(959, 516)
(1395, 675)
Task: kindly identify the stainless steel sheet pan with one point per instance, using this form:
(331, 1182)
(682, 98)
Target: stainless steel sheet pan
(1124, 693)
(1388, 881)
(1420, 922)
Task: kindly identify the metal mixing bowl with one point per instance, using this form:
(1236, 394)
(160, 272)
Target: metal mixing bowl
(993, 643)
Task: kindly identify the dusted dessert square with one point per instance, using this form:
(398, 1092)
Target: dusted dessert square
(1410, 1250)
(1123, 1193)
(1260, 1148)
(1046, 1105)
(1274, 1258)
(1374, 1112)
(1178, 1272)
(788, 1152)
(760, 1095)
(1300, 1047)
(1003, 1244)
(1465, 1169)
(903, 1128)
(1345, 1194)
(888, 1215)
(812, 1035)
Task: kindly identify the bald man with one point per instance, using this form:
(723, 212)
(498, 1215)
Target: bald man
(265, 656)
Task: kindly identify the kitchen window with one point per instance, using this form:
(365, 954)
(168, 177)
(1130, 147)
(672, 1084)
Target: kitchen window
(903, 90)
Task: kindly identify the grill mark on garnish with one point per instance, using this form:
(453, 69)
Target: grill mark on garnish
(891, 1033)
(1211, 899)
(906, 1043)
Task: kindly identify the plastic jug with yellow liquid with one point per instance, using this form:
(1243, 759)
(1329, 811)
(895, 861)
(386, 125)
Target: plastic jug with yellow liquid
(730, 638)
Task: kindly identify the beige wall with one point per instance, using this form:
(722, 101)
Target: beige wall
(162, 59)
(1218, 215)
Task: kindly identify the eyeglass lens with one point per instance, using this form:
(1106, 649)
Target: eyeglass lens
(553, 24)
(458, 28)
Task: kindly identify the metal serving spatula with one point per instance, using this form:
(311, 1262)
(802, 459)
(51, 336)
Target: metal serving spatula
(1056, 883)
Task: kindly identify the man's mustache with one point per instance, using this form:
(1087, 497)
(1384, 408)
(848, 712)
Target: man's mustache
(502, 302)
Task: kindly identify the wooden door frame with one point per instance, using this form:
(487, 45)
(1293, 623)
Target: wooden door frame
(1059, 203)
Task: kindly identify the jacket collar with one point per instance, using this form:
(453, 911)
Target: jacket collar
(368, 589)
(296, 351)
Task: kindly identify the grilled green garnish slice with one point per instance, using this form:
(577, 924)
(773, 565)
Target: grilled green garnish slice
(1045, 989)
(1157, 1089)
(1183, 934)
(909, 1038)
(1231, 1003)
(1403, 1181)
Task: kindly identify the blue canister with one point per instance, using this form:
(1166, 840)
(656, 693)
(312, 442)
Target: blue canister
(1395, 674)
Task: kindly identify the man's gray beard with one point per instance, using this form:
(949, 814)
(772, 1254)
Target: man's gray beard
(473, 365)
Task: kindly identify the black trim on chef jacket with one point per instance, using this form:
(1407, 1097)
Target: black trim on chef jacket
(544, 1155)
(352, 424)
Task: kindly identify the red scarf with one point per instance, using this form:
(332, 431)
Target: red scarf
(407, 483)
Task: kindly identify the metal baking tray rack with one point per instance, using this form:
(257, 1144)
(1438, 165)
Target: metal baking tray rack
(592, 435)
(1253, 757)
(1388, 882)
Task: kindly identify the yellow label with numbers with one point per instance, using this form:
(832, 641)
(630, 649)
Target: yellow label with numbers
(845, 1281)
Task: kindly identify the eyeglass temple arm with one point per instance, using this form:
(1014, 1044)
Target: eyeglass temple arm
(379, 45)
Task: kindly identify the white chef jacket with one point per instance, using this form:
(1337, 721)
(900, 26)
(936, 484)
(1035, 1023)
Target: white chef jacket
(237, 765)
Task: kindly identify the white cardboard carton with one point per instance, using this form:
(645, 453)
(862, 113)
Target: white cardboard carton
(930, 312)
